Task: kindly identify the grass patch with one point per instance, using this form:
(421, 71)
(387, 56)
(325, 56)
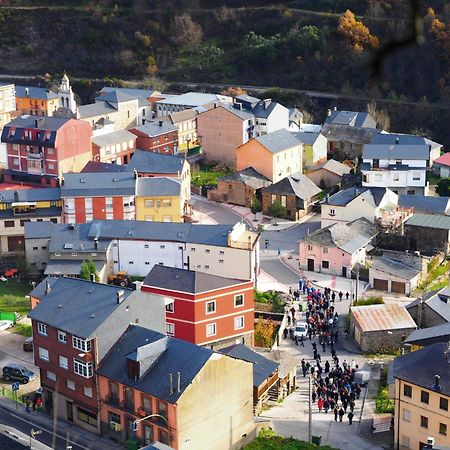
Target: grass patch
(369, 301)
(435, 278)
(271, 297)
(268, 440)
(207, 176)
(383, 404)
(23, 329)
(12, 296)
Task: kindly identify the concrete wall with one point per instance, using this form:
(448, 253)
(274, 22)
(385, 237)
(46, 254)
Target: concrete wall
(427, 240)
(295, 212)
(232, 192)
(278, 119)
(329, 178)
(428, 317)
(221, 400)
(410, 284)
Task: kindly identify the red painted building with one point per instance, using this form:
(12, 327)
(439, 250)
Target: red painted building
(206, 309)
(157, 137)
(47, 145)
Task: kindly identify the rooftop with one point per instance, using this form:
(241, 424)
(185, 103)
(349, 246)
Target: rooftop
(116, 137)
(156, 128)
(249, 176)
(443, 160)
(30, 195)
(351, 119)
(430, 221)
(344, 197)
(389, 316)
(396, 151)
(299, 185)
(353, 135)
(181, 116)
(97, 166)
(308, 138)
(403, 139)
(192, 99)
(95, 109)
(263, 368)
(439, 302)
(189, 281)
(425, 204)
(38, 122)
(431, 335)
(157, 186)
(331, 166)
(393, 267)
(35, 92)
(178, 356)
(278, 141)
(149, 162)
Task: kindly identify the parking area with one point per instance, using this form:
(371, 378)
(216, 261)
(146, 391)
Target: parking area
(11, 351)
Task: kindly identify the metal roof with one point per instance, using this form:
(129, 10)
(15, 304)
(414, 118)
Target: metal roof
(431, 335)
(382, 317)
(429, 221)
(393, 267)
(425, 204)
(191, 99)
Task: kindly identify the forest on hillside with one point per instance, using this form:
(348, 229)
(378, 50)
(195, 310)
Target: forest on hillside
(322, 45)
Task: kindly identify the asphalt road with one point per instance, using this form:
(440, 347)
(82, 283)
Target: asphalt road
(220, 214)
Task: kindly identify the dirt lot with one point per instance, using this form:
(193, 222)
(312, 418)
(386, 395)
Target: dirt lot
(11, 351)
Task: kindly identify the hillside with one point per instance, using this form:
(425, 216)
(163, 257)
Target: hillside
(307, 44)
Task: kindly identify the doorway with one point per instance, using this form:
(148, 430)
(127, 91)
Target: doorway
(311, 264)
(69, 411)
(344, 272)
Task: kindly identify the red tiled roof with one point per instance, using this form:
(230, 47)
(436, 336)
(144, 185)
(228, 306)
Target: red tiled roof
(444, 159)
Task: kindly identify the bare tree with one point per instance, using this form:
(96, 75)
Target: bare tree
(186, 32)
(380, 116)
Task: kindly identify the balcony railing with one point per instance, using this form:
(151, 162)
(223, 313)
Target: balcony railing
(128, 406)
(112, 400)
(35, 156)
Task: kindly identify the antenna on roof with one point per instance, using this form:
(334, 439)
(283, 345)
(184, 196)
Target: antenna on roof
(170, 384)
(179, 382)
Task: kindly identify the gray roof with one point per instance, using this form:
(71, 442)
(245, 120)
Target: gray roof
(403, 139)
(150, 162)
(348, 237)
(115, 96)
(38, 230)
(299, 185)
(306, 138)
(439, 302)
(277, 141)
(241, 113)
(156, 128)
(35, 92)
(176, 356)
(264, 108)
(249, 176)
(353, 135)
(136, 93)
(431, 360)
(39, 291)
(98, 184)
(43, 122)
(344, 197)
(424, 204)
(67, 267)
(393, 267)
(191, 99)
(332, 166)
(95, 109)
(182, 280)
(159, 446)
(181, 116)
(160, 186)
(97, 166)
(396, 151)
(429, 221)
(30, 195)
(431, 335)
(77, 306)
(116, 137)
(263, 368)
(351, 119)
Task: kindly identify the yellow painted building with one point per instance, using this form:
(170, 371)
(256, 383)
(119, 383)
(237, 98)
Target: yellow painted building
(159, 199)
(7, 103)
(186, 122)
(422, 397)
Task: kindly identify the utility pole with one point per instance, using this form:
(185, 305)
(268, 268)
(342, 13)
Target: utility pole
(309, 411)
(357, 284)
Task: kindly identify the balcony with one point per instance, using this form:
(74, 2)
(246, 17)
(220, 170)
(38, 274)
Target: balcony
(35, 156)
(127, 406)
(112, 400)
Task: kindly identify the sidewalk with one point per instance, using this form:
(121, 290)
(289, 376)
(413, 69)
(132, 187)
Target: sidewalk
(65, 430)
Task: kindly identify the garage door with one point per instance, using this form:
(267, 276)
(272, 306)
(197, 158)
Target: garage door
(381, 285)
(398, 286)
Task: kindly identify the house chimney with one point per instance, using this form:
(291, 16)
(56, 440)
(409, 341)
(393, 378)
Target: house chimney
(430, 442)
(328, 112)
(160, 123)
(92, 277)
(36, 123)
(437, 383)
(335, 108)
(96, 243)
(62, 181)
(170, 384)
(16, 196)
(135, 172)
(27, 92)
(120, 296)
(179, 383)
(47, 287)
(397, 140)
(267, 102)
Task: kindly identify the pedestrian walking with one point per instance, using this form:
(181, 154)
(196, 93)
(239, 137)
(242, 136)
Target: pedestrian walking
(341, 414)
(320, 403)
(347, 295)
(27, 405)
(333, 296)
(340, 295)
(327, 366)
(336, 411)
(296, 339)
(350, 416)
(323, 346)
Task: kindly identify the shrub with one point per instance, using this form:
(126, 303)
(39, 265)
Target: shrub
(369, 301)
(276, 209)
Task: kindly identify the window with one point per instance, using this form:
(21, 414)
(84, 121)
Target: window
(443, 429)
(82, 368)
(81, 344)
(238, 322)
(396, 177)
(167, 203)
(211, 329)
(162, 409)
(375, 163)
(207, 250)
(43, 354)
(147, 404)
(424, 422)
(146, 246)
(443, 404)
(57, 254)
(325, 250)
(407, 390)
(206, 267)
(192, 249)
(42, 328)
(62, 336)
(148, 203)
(170, 329)
(221, 252)
(170, 307)
(87, 391)
(86, 416)
(239, 300)
(163, 436)
(63, 362)
(310, 247)
(9, 223)
(410, 192)
(424, 397)
(405, 441)
(211, 307)
(325, 264)
(416, 176)
(70, 385)
(398, 161)
(22, 224)
(220, 261)
(162, 246)
(148, 435)
(283, 200)
(52, 376)
(406, 415)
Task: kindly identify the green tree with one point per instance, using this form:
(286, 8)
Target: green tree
(256, 206)
(278, 210)
(87, 268)
(443, 187)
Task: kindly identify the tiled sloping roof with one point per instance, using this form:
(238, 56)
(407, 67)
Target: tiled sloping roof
(298, 184)
(97, 166)
(392, 267)
(332, 166)
(344, 197)
(339, 133)
(179, 357)
(43, 122)
(263, 368)
(156, 128)
(249, 176)
(158, 186)
(95, 109)
(396, 151)
(116, 137)
(191, 99)
(277, 141)
(403, 139)
(129, 91)
(306, 138)
(430, 221)
(149, 162)
(182, 116)
(425, 204)
(30, 195)
(382, 317)
(443, 160)
(438, 301)
(182, 280)
(35, 92)
(351, 119)
(427, 336)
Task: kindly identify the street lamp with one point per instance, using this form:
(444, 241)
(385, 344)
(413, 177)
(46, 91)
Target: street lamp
(136, 422)
(34, 433)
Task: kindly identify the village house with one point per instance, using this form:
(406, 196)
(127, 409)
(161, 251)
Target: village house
(239, 188)
(75, 324)
(378, 328)
(422, 394)
(136, 246)
(36, 101)
(47, 146)
(17, 207)
(8, 104)
(432, 309)
(328, 174)
(116, 147)
(295, 120)
(186, 123)
(175, 390)
(426, 336)
(275, 155)
(441, 166)
(157, 137)
(296, 193)
(336, 248)
(314, 148)
(204, 309)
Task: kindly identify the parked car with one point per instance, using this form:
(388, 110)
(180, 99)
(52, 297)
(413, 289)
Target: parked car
(28, 344)
(18, 373)
(5, 324)
(301, 329)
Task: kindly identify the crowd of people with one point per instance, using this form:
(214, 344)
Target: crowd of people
(333, 382)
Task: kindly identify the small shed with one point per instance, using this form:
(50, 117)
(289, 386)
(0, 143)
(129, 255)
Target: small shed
(380, 327)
